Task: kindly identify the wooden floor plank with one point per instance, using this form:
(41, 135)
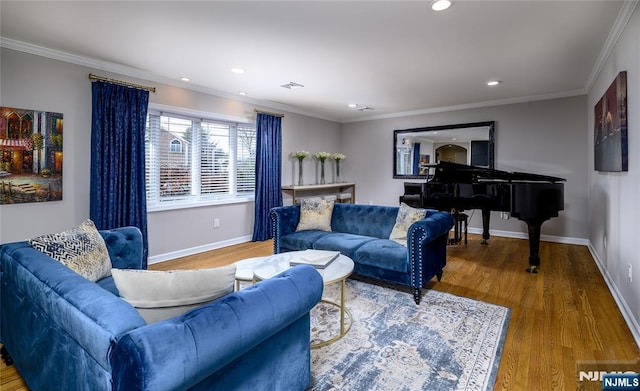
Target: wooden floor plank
(562, 315)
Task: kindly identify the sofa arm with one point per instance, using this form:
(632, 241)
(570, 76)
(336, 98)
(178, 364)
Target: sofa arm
(284, 220)
(125, 247)
(427, 248)
(181, 352)
(431, 227)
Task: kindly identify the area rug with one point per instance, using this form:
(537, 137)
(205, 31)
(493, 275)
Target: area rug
(445, 343)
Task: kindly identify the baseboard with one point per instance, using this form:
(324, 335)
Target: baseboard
(632, 322)
(523, 235)
(196, 250)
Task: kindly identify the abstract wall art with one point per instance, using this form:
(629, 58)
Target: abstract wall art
(610, 133)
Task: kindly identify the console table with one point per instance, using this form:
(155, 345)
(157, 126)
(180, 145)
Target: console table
(330, 188)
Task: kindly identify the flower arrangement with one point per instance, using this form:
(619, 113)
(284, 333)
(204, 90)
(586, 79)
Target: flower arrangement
(337, 156)
(28, 143)
(300, 155)
(322, 156)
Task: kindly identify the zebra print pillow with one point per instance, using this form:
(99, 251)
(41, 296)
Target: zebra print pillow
(81, 249)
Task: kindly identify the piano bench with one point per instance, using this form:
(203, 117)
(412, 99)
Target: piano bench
(461, 221)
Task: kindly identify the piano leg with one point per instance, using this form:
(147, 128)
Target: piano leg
(534, 246)
(486, 216)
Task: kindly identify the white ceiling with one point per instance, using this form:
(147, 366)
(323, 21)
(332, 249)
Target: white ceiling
(397, 57)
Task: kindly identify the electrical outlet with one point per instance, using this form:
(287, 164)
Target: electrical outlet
(216, 223)
(630, 272)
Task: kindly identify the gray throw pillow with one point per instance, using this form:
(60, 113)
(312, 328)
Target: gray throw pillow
(406, 216)
(159, 295)
(315, 214)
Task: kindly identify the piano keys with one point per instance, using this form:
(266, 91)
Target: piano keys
(531, 198)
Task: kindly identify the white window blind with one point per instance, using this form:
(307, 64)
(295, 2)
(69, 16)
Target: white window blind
(246, 158)
(194, 161)
(216, 156)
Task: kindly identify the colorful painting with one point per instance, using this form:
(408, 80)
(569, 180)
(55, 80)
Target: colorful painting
(30, 156)
(610, 133)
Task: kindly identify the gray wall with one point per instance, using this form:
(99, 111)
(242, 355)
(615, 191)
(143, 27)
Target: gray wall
(35, 82)
(552, 137)
(614, 209)
(544, 137)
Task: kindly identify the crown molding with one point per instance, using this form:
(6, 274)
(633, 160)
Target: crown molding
(476, 105)
(123, 70)
(619, 25)
(621, 22)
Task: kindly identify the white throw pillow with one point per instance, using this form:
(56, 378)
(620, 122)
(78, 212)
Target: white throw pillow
(406, 216)
(315, 214)
(81, 249)
(159, 295)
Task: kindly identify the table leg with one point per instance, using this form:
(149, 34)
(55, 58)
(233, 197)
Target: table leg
(342, 287)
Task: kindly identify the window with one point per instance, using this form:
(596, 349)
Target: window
(194, 161)
(175, 146)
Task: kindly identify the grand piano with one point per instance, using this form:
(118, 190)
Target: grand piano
(531, 198)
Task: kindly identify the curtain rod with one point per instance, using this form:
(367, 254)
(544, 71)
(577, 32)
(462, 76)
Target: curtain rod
(270, 113)
(93, 77)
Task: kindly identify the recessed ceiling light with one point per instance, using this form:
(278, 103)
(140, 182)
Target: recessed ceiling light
(353, 105)
(237, 71)
(242, 93)
(440, 5)
(184, 78)
(493, 83)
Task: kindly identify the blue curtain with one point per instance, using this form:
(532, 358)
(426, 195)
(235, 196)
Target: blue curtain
(117, 195)
(416, 159)
(268, 173)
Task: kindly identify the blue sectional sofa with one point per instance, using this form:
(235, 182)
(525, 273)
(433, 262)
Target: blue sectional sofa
(67, 333)
(361, 232)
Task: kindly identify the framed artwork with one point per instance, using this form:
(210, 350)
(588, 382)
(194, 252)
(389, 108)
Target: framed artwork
(30, 156)
(610, 128)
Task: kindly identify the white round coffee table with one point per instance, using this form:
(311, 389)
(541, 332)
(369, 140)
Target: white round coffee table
(338, 271)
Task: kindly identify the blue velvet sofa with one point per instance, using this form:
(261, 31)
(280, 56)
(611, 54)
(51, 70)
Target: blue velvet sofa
(361, 232)
(66, 333)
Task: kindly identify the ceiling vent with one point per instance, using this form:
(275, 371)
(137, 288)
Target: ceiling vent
(290, 85)
(364, 108)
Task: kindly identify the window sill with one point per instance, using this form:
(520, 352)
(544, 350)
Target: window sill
(169, 205)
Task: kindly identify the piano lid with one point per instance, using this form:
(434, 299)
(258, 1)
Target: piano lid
(447, 172)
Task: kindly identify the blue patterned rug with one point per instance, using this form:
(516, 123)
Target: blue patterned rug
(445, 343)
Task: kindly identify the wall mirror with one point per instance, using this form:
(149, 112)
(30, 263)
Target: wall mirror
(414, 150)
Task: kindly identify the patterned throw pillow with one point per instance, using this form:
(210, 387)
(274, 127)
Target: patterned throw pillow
(81, 249)
(315, 214)
(159, 295)
(406, 216)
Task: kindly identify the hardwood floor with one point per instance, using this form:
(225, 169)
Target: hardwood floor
(563, 315)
